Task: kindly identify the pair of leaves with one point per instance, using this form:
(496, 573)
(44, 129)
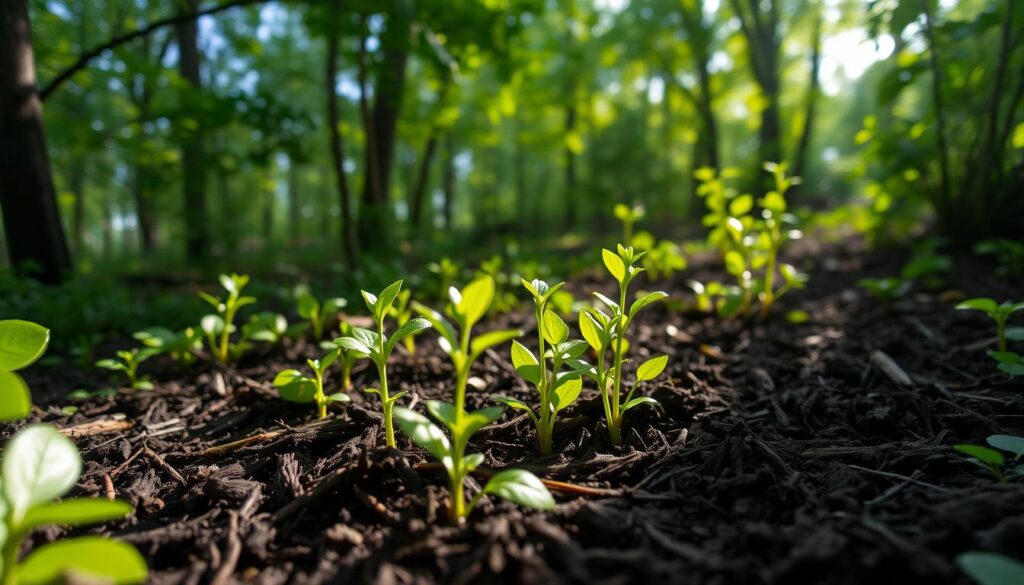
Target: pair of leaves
(39, 465)
(309, 307)
(991, 308)
(541, 290)
(366, 342)
(380, 305)
(21, 344)
(470, 304)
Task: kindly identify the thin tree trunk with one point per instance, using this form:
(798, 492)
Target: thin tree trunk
(419, 192)
(77, 186)
(812, 99)
(940, 117)
(27, 197)
(337, 145)
(294, 204)
(448, 179)
(197, 239)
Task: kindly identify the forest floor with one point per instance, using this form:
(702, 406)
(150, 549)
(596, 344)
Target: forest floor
(780, 453)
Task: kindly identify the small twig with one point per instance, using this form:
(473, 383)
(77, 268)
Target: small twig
(325, 485)
(551, 484)
(890, 368)
(127, 462)
(227, 447)
(901, 478)
(97, 427)
(230, 557)
(167, 466)
(108, 483)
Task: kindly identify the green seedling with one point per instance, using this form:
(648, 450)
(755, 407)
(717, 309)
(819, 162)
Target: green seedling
(128, 361)
(607, 332)
(21, 344)
(628, 216)
(992, 458)
(714, 297)
(446, 271)
(271, 328)
(401, 312)
(218, 328)
(773, 233)
(999, 313)
(466, 308)
(294, 386)
(886, 290)
(1009, 255)
(722, 202)
(40, 465)
(928, 266)
(378, 347)
(1011, 363)
(181, 346)
(987, 568)
(557, 389)
(346, 358)
(320, 315)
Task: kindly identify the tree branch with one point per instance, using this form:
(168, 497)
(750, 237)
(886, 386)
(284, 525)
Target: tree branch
(83, 61)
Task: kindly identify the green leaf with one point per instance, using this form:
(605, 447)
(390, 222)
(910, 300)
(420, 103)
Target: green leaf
(308, 306)
(983, 454)
(93, 558)
(443, 411)
(614, 264)
(1015, 333)
(1008, 443)
(353, 344)
(443, 327)
(15, 399)
(555, 330)
(424, 433)
(517, 404)
(741, 205)
(520, 487)
(371, 301)
(734, 262)
(646, 300)
(341, 397)
(608, 302)
(295, 387)
(328, 359)
(472, 461)
(571, 349)
(567, 393)
(1012, 369)
(212, 324)
(476, 420)
(21, 343)
(75, 512)
(591, 331)
(411, 327)
(638, 401)
(652, 368)
(476, 299)
(773, 201)
(386, 299)
(991, 569)
(797, 317)
(493, 338)
(525, 363)
(985, 305)
(39, 464)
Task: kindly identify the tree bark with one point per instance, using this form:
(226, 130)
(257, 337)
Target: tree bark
(374, 216)
(759, 22)
(419, 192)
(197, 239)
(337, 145)
(800, 160)
(448, 179)
(29, 205)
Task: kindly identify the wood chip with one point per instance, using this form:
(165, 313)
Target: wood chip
(890, 368)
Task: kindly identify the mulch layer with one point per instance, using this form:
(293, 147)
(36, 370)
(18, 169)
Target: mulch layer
(780, 453)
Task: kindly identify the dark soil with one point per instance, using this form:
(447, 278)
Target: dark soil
(780, 454)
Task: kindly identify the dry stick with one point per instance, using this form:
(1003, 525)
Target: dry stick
(97, 427)
(127, 461)
(326, 484)
(227, 447)
(234, 547)
(167, 466)
(901, 478)
(109, 485)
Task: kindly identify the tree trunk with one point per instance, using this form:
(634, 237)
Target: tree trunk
(337, 145)
(197, 239)
(800, 160)
(31, 218)
(374, 216)
(76, 184)
(294, 204)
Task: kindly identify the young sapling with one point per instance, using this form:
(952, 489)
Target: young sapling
(21, 344)
(319, 315)
(556, 389)
(886, 289)
(628, 216)
(40, 465)
(401, 312)
(466, 308)
(999, 313)
(128, 361)
(271, 328)
(219, 327)
(378, 347)
(294, 386)
(606, 333)
(992, 458)
(181, 346)
(346, 358)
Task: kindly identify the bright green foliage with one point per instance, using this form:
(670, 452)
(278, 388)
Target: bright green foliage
(516, 485)
(21, 344)
(556, 388)
(128, 361)
(446, 270)
(346, 358)
(1011, 363)
(504, 299)
(465, 309)
(378, 347)
(628, 216)
(751, 245)
(999, 313)
(218, 328)
(661, 259)
(723, 299)
(40, 465)
(606, 332)
(271, 327)
(181, 346)
(296, 387)
(320, 315)
(991, 569)
(886, 290)
(992, 458)
(401, 312)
